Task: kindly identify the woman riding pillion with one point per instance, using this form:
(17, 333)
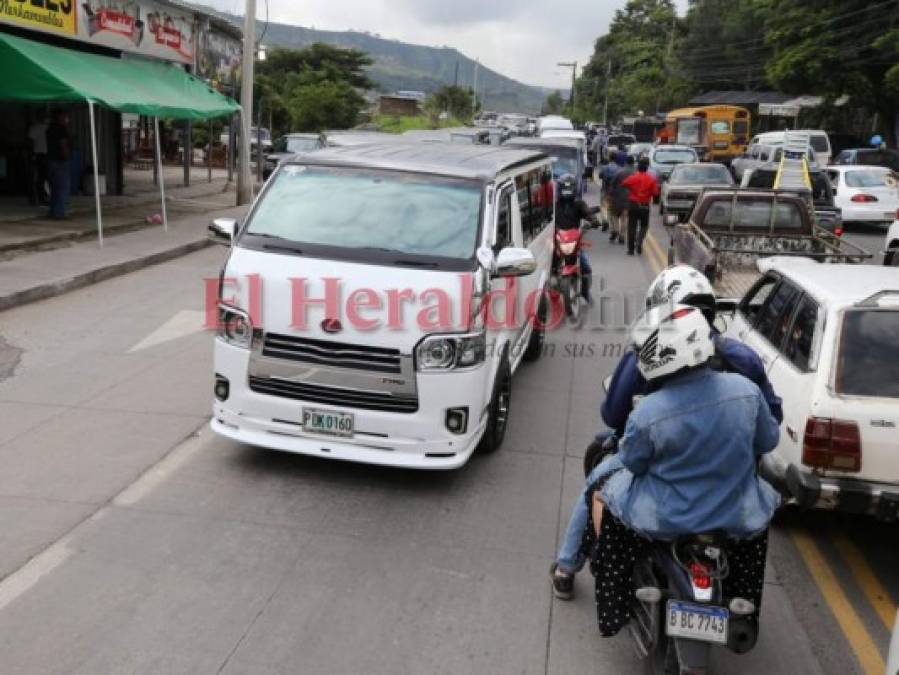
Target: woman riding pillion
(680, 284)
(686, 464)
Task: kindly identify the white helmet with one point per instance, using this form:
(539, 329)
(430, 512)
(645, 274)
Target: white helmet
(682, 285)
(668, 339)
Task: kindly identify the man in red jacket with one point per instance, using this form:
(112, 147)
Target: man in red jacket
(642, 187)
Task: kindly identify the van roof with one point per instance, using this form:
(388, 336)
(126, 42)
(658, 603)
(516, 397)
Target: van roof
(548, 142)
(446, 159)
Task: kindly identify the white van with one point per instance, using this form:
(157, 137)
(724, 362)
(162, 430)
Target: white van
(553, 122)
(378, 299)
(818, 139)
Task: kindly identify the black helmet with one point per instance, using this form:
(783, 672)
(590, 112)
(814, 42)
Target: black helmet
(567, 188)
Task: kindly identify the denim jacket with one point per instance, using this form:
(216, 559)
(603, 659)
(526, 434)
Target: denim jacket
(689, 454)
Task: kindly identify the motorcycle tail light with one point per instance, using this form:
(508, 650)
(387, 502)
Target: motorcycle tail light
(699, 574)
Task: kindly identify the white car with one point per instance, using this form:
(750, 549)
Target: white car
(891, 248)
(865, 194)
(827, 336)
(378, 299)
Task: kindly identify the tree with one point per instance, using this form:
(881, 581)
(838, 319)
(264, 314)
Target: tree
(456, 101)
(312, 89)
(554, 103)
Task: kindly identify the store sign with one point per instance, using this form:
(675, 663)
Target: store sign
(56, 16)
(142, 26)
(218, 60)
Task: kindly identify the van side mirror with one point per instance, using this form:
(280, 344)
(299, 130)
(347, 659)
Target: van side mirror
(514, 262)
(222, 231)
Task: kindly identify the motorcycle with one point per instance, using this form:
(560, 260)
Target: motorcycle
(567, 268)
(680, 612)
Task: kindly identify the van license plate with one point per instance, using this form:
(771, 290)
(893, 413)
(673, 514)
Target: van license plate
(329, 423)
(697, 622)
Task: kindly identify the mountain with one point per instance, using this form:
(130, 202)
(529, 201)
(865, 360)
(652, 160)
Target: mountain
(400, 66)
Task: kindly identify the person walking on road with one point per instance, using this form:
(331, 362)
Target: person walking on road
(59, 150)
(37, 135)
(620, 199)
(642, 187)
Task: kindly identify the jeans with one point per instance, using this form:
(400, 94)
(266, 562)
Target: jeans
(571, 555)
(58, 175)
(637, 225)
(586, 267)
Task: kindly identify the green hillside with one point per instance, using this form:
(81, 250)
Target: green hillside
(403, 66)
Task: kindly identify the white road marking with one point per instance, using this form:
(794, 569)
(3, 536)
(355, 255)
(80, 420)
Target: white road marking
(184, 323)
(27, 576)
(156, 475)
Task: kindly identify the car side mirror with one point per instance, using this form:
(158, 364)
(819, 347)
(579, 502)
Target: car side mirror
(223, 231)
(514, 262)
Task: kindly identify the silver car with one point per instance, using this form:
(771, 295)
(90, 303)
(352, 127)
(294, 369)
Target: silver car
(685, 183)
(664, 158)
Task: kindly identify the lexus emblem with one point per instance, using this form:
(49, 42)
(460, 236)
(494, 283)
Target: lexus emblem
(332, 326)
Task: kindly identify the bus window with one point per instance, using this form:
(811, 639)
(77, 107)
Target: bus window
(720, 127)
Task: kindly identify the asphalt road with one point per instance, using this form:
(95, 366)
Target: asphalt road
(132, 540)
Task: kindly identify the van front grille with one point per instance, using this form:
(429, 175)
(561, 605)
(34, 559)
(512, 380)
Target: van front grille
(332, 354)
(314, 393)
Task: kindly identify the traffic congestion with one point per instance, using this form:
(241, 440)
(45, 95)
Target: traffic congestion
(452, 387)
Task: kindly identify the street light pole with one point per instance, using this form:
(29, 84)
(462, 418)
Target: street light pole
(244, 179)
(573, 66)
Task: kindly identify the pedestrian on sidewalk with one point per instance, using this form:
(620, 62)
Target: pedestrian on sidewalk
(620, 199)
(643, 187)
(37, 135)
(59, 151)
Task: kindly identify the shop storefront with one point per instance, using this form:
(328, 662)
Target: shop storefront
(48, 55)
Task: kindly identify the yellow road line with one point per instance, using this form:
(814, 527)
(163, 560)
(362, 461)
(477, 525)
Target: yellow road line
(860, 640)
(875, 592)
(657, 258)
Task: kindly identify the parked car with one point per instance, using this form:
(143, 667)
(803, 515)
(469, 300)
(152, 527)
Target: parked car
(758, 154)
(566, 155)
(891, 247)
(288, 145)
(817, 139)
(827, 214)
(827, 337)
(341, 367)
(685, 183)
(870, 157)
(865, 194)
(664, 158)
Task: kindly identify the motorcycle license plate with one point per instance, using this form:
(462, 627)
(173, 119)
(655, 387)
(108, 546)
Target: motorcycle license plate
(704, 623)
(328, 423)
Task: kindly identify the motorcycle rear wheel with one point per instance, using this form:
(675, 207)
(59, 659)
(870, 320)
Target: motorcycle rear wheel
(570, 289)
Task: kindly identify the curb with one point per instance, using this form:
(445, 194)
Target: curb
(54, 288)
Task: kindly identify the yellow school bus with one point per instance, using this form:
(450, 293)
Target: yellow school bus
(718, 132)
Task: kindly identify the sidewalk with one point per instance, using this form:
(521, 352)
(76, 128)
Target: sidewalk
(38, 275)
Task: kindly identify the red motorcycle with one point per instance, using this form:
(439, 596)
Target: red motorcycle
(567, 268)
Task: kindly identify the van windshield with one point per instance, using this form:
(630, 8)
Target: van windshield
(366, 215)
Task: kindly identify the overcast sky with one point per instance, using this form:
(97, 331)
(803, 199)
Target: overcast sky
(517, 38)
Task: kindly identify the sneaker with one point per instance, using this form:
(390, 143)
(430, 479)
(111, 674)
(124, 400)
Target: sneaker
(563, 582)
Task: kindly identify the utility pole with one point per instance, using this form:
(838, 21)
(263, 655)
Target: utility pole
(573, 66)
(605, 104)
(244, 179)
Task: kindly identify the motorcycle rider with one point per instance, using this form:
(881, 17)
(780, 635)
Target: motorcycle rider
(676, 285)
(686, 464)
(570, 211)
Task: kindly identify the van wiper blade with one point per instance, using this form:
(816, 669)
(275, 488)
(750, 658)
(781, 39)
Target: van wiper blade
(283, 248)
(415, 263)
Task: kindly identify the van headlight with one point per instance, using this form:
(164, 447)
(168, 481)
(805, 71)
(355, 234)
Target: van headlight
(446, 352)
(235, 327)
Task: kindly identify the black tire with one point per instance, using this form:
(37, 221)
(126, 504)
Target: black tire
(891, 258)
(534, 349)
(498, 413)
(663, 659)
(570, 296)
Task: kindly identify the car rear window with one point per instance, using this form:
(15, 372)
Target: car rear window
(819, 144)
(867, 363)
(752, 214)
(861, 178)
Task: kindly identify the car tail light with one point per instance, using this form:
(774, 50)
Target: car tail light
(863, 198)
(832, 444)
(700, 576)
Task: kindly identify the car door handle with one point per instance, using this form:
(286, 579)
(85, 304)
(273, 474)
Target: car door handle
(791, 432)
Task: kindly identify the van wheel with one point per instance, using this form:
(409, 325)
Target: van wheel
(538, 335)
(891, 259)
(498, 414)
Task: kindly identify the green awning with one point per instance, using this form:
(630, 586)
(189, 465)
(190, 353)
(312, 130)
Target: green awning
(34, 71)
